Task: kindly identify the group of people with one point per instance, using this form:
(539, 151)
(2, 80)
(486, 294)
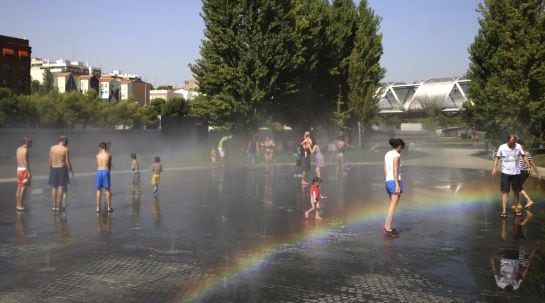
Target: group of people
(516, 167)
(60, 170)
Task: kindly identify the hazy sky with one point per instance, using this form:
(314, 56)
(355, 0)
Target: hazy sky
(158, 39)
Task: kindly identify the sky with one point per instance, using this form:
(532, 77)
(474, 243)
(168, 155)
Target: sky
(422, 39)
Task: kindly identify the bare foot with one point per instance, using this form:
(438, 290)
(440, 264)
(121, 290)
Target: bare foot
(318, 218)
(529, 204)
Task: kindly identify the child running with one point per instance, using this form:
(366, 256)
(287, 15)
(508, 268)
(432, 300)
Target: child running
(394, 185)
(135, 167)
(156, 170)
(315, 198)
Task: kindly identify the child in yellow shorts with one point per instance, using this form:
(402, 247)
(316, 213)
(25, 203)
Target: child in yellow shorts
(156, 170)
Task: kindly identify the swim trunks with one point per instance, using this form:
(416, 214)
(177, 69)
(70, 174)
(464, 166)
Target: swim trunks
(391, 187)
(102, 179)
(58, 176)
(155, 179)
(22, 177)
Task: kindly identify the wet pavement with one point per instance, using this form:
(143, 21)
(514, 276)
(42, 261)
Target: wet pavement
(235, 235)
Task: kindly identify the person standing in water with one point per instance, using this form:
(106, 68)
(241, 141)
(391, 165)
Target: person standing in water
(252, 150)
(320, 160)
(59, 168)
(135, 168)
(268, 146)
(23, 173)
(525, 172)
(306, 145)
(394, 185)
(102, 180)
(340, 143)
(156, 169)
(510, 154)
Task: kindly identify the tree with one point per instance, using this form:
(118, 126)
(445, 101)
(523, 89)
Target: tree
(247, 63)
(364, 68)
(48, 82)
(176, 107)
(507, 69)
(316, 89)
(341, 34)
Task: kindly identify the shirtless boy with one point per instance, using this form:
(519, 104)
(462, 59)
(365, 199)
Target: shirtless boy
(59, 167)
(23, 172)
(102, 180)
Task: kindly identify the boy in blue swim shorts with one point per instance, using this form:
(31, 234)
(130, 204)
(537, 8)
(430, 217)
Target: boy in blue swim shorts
(102, 180)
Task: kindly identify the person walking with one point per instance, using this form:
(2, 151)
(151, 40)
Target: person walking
(320, 160)
(394, 185)
(525, 172)
(510, 154)
(102, 179)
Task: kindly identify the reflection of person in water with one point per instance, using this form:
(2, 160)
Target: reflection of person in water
(514, 265)
(513, 262)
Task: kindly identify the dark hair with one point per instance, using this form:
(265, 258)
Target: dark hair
(103, 146)
(26, 140)
(512, 136)
(396, 142)
(316, 180)
(63, 139)
(133, 156)
(157, 159)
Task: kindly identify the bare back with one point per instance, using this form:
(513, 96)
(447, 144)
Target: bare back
(59, 156)
(22, 157)
(103, 160)
(156, 168)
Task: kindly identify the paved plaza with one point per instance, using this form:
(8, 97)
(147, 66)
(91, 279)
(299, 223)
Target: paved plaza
(238, 235)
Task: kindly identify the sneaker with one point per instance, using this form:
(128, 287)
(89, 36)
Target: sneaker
(392, 233)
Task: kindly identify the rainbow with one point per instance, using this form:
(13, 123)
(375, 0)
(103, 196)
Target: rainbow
(256, 259)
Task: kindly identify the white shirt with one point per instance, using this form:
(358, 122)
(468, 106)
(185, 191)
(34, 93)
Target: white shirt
(389, 165)
(510, 158)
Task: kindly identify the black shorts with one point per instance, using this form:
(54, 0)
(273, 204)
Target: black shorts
(58, 176)
(510, 181)
(524, 174)
(306, 164)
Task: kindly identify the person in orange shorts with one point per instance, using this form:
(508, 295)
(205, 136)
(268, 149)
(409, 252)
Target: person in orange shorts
(23, 172)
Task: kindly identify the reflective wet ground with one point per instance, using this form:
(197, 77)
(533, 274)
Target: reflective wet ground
(239, 236)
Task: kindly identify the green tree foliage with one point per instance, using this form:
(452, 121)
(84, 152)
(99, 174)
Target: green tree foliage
(315, 85)
(364, 69)
(247, 62)
(176, 107)
(507, 69)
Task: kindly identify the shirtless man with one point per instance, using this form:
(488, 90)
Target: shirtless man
(102, 179)
(23, 172)
(59, 167)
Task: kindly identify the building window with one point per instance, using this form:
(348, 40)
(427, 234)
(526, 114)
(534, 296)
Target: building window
(7, 51)
(23, 54)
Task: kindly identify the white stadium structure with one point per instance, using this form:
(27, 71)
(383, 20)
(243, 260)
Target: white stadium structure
(443, 94)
